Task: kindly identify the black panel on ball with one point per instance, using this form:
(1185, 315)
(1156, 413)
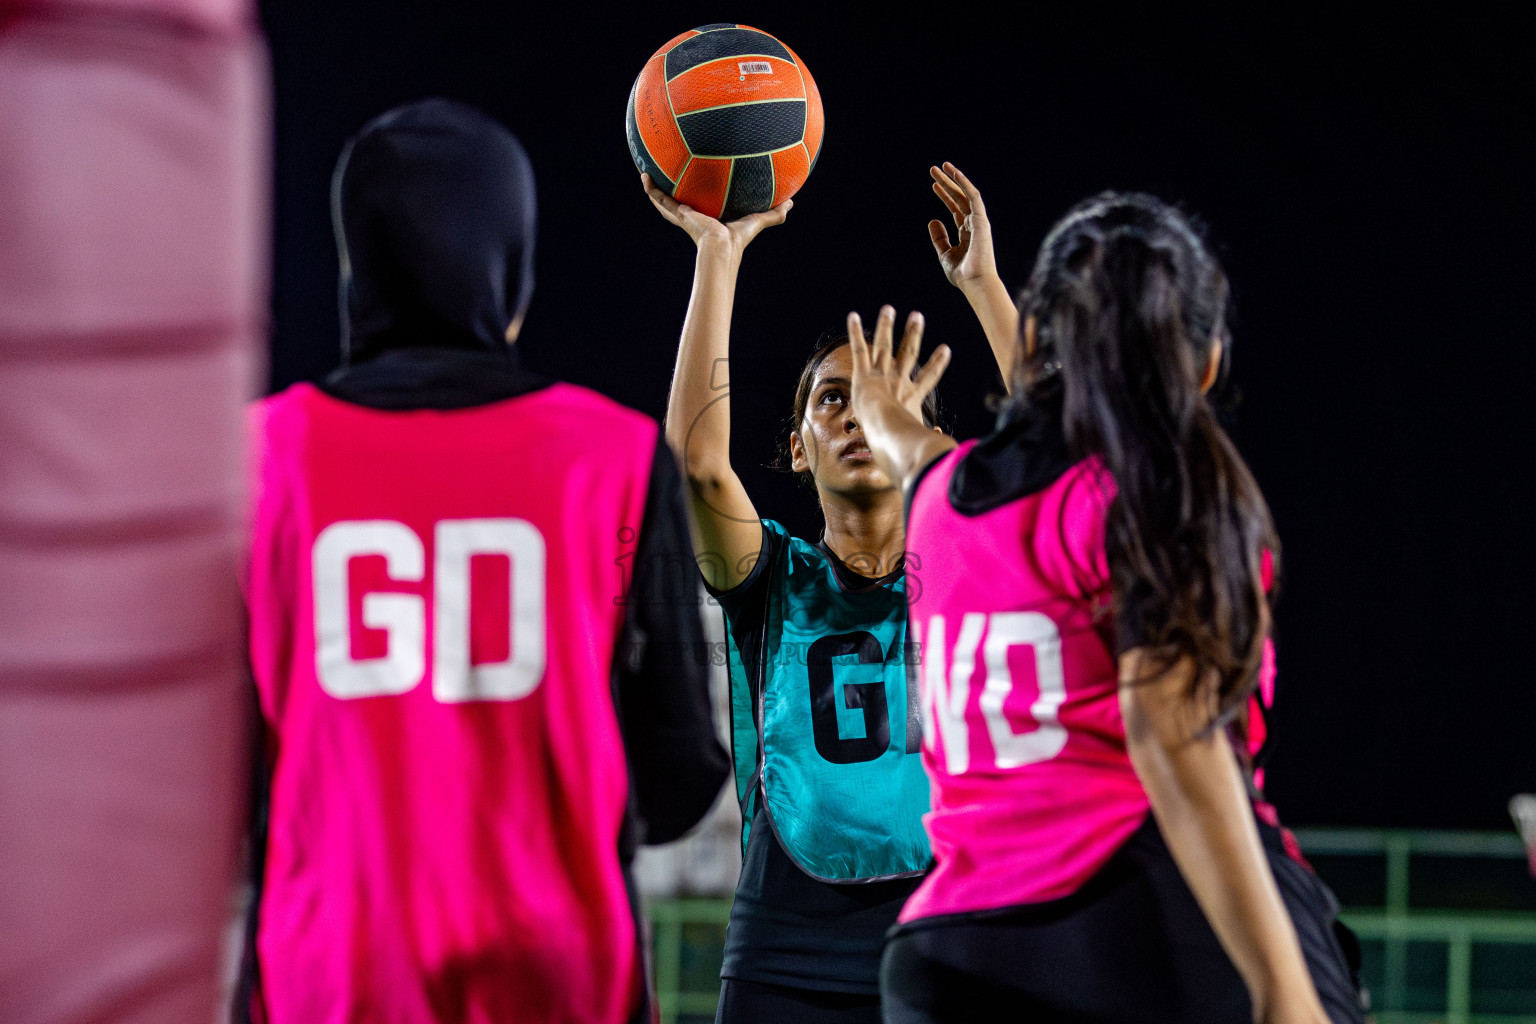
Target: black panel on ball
(749, 128)
(728, 42)
(637, 151)
(751, 187)
(712, 26)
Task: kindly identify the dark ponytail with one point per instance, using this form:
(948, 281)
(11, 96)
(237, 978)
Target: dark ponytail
(1128, 303)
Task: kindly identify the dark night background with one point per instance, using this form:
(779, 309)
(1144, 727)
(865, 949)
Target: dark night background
(1369, 185)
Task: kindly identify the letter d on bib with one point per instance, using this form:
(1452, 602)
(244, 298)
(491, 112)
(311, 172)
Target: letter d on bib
(454, 679)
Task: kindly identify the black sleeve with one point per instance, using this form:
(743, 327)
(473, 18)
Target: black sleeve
(661, 684)
(248, 983)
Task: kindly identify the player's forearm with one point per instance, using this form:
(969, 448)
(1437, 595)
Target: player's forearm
(999, 317)
(724, 524)
(698, 422)
(1197, 795)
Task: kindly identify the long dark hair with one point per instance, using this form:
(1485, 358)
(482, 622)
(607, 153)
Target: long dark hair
(1128, 302)
(825, 347)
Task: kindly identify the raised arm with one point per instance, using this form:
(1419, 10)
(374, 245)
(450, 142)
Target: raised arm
(1198, 798)
(971, 265)
(727, 531)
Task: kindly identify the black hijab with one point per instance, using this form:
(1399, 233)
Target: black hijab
(434, 209)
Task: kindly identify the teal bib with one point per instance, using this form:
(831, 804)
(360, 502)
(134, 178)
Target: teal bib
(825, 726)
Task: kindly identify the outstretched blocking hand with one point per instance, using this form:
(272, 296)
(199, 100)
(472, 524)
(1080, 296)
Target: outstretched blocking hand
(970, 259)
(884, 387)
(887, 398)
(704, 229)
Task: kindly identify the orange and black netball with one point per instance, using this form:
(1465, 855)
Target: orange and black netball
(726, 119)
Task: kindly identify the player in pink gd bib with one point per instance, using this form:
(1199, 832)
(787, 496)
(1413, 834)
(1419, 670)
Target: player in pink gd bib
(1094, 613)
(478, 691)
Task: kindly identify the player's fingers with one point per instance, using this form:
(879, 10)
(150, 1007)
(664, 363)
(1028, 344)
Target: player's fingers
(885, 327)
(859, 350)
(951, 200)
(651, 189)
(672, 216)
(940, 176)
(957, 195)
(955, 213)
(770, 218)
(911, 344)
(778, 214)
(972, 193)
(958, 209)
(856, 334)
(928, 377)
(938, 234)
(667, 206)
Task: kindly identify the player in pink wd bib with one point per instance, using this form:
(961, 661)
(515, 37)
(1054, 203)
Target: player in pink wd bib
(475, 683)
(1094, 614)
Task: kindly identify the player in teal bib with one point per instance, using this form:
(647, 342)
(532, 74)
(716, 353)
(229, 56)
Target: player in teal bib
(825, 726)
(826, 737)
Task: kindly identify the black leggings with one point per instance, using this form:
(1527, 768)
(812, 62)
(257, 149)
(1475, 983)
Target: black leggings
(752, 1002)
(1131, 947)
